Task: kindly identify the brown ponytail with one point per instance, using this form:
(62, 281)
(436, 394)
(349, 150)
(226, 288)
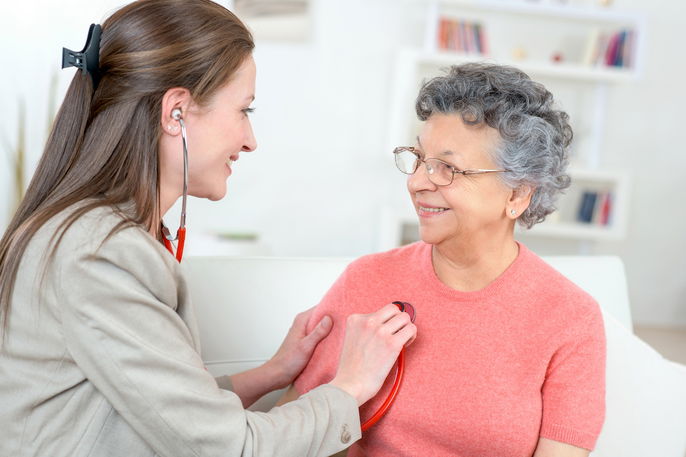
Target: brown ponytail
(103, 148)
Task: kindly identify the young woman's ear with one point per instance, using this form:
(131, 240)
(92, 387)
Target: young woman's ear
(175, 103)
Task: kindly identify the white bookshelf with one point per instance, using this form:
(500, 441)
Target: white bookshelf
(570, 71)
(574, 23)
(527, 24)
(588, 10)
(564, 224)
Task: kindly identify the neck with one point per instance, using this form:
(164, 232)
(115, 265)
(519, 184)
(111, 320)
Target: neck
(471, 263)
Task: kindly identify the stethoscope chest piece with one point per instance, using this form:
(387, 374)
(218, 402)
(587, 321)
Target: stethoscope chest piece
(406, 308)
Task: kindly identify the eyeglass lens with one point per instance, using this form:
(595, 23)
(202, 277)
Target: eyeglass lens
(439, 172)
(406, 161)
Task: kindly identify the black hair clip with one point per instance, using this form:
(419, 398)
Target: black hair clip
(88, 59)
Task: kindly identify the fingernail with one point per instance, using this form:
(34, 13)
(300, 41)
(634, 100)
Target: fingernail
(325, 322)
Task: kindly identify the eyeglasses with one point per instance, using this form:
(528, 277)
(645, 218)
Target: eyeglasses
(441, 173)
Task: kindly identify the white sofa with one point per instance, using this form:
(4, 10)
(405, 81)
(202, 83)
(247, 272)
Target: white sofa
(246, 305)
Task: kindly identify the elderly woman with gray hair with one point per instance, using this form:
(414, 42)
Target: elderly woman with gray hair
(510, 355)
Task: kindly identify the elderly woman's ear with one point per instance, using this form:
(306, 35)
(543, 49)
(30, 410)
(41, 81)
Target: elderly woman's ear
(519, 200)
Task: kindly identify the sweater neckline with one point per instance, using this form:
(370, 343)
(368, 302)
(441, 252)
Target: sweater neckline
(500, 283)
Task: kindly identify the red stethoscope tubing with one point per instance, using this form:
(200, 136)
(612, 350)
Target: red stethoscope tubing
(181, 236)
(399, 373)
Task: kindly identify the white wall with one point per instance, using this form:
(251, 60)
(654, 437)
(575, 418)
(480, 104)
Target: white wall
(318, 182)
(32, 34)
(645, 135)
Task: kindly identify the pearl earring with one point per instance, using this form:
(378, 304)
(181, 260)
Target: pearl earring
(513, 212)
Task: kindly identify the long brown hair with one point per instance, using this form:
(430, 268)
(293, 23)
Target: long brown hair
(103, 147)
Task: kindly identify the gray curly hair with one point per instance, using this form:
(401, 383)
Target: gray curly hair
(535, 136)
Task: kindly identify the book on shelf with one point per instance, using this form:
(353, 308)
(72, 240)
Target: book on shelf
(586, 207)
(611, 49)
(461, 36)
(602, 212)
(595, 208)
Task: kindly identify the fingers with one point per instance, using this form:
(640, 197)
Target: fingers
(389, 318)
(401, 329)
(297, 348)
(407, 334)
(299, 326)
(320, 331)
(387, 312)
(301, 319)
(389, 322)
(397, 322)
(400, 325)
(371, 345)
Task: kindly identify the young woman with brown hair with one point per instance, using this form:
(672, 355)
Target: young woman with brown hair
(100, 352)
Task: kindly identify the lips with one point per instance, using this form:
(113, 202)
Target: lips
(426, 210)
(232, 159)
(432, 210)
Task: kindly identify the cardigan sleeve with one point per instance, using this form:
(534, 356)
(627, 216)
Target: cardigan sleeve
(119, 303)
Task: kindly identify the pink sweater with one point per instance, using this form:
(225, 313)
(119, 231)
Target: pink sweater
(490, 370)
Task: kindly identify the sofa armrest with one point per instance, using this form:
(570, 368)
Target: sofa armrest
(645, 399)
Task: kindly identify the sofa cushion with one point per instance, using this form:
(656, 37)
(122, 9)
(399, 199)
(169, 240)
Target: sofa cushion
(646, 399)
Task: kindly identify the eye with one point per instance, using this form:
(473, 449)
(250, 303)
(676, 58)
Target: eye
(248, 110)
(446, 167)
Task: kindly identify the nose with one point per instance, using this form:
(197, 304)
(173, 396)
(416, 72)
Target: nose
(419, 180)
(250, 143)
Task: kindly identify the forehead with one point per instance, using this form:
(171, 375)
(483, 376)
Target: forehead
(241, 86)
(245, 74)
(447, 135)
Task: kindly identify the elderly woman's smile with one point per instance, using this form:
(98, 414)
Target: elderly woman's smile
(425, 210)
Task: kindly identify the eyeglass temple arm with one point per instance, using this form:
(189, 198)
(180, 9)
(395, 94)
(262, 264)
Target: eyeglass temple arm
(479, 171)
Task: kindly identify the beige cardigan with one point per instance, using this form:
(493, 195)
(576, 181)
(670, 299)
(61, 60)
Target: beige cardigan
(102, 359)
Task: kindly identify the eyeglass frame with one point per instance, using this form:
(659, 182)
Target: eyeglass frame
(453, 168)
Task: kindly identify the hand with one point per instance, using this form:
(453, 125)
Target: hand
(371, 345)
(297, 348)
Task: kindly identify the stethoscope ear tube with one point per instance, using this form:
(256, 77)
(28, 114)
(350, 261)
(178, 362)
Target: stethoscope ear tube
(167, 238)
(399, 373)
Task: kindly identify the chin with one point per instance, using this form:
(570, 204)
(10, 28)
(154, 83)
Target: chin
(429, 236)
(211, 194)
(216, 196)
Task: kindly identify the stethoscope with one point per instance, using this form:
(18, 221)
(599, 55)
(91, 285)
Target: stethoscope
(181, 237)
(399, 373)
(181, 232)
